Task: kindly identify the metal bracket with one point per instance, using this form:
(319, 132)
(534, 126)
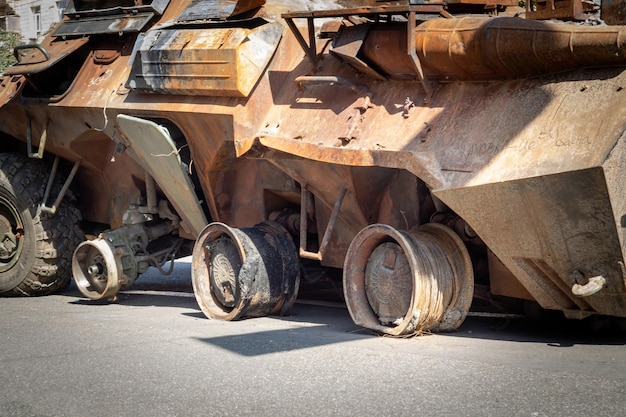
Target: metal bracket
(311, 48)
(374, 11)
(42, 140)
(417, 65)
(304, 203)
(52, 210)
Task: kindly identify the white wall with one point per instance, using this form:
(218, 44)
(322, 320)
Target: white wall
(49, 15)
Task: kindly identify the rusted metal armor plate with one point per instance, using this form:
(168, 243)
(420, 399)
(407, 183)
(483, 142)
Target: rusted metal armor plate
(217, 9)
(104, 24)
(210, 61)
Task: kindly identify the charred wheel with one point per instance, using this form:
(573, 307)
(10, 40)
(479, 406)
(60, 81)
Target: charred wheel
(248, 272)
(35, 249)
(405, 282)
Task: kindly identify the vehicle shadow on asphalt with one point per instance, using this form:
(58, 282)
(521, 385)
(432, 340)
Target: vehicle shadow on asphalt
(164, 295)
(553, 331)
(325, 322)
(307, 326)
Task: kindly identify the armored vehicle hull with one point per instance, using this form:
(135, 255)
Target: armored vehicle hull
(419, 156)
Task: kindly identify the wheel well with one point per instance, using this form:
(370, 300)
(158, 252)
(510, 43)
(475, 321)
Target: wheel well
(184, 152)
(9, 143)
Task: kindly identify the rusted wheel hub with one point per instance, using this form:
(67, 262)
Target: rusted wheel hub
(399, 282)
(388, 283)
(224, 265)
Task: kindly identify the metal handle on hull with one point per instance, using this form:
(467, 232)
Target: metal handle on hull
(18, 48)
(594, 285)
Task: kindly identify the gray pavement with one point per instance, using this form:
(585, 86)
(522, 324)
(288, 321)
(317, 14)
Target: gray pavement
(153, 353)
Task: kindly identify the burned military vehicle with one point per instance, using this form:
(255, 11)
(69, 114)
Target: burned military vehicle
(416, 150)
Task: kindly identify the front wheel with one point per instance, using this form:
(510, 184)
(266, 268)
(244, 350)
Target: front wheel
(35, 249)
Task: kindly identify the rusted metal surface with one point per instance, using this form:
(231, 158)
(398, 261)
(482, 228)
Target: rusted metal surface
(613, 12)
(78, 8)
(214, 62)
(218, 9)
(388, 283)
(389, 8)
(104, 24)
(556, 245)
(347, 45)
(503, 282)
(392, 8)
(109, 16)
(451, 132)
(555, 9)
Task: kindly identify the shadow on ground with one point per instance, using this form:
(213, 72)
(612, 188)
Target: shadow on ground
(324, 320)
(553, 330)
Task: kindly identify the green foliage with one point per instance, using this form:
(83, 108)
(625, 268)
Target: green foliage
(8, 40)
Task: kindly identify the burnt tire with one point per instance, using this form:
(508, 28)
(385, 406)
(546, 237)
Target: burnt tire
(35, 248)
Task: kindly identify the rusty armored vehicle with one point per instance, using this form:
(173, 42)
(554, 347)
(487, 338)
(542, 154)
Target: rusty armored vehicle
(416, 153)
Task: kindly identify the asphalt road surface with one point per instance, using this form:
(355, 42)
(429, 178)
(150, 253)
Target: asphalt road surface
(153, 353)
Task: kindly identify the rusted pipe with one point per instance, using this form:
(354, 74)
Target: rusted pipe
(481, 48)
(42, 140)
(512, 47)
(66, 185)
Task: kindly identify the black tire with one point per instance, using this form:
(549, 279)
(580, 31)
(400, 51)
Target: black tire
(35, 249)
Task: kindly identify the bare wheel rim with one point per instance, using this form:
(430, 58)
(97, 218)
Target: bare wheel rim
(11, 235)
(218, 251)
(400, 282)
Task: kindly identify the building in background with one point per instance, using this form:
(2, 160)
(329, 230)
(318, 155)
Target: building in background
(30, 18)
